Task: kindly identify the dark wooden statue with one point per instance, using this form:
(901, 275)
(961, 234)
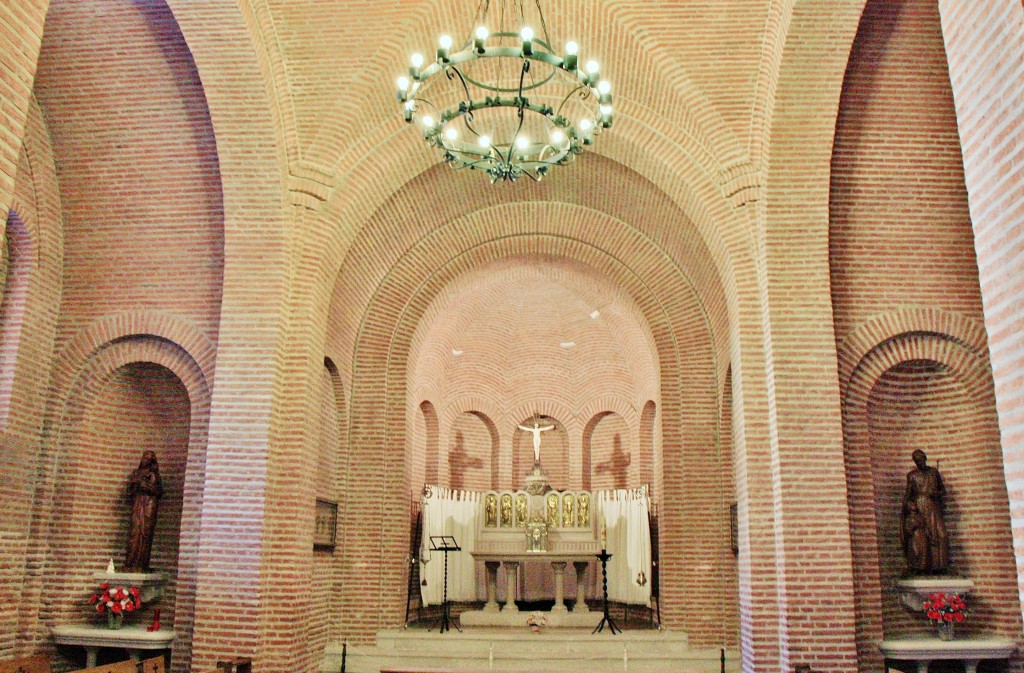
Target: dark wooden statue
(925, 542)
(144, 491)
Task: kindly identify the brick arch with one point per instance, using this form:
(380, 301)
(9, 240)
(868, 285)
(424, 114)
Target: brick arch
(77, 351)
(591, 212)
(100, 367)
(866, 336)
(971, 374)
(671, 307)
(627, 163)
(36, 200)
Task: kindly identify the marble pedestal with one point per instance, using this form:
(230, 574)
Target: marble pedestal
(135, 639)
(922, 651)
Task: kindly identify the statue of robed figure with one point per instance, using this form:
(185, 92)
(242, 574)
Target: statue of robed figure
(925, 541)
(144, 491)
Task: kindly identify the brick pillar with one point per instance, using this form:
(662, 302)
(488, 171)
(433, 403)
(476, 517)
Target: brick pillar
(984, 48)
(813, 555)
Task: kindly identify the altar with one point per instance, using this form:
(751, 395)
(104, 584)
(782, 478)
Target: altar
(494, 615)
(524, 532)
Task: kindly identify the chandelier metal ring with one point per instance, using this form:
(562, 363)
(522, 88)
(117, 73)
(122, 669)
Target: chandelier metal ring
(508, 130)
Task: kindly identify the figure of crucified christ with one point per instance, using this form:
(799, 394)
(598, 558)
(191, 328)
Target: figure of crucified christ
(536, 430)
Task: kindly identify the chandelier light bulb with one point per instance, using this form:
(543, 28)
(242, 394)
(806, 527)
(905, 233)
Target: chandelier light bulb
(586, 124)
(481, 33)
(572, 48)
(485, 141)
(428, 121)
(403, 83)
(451, 134)
(592, 67)
(522, 142)
(526, 33)
(417, 60)
(604, 86)
(445, 42)
(557, 137)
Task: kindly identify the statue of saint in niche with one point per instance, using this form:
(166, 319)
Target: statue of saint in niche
(144, 491)
(925, 542)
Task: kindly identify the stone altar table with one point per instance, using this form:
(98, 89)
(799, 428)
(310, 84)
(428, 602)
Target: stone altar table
(134, 638)
(560, 615)
(924, 650)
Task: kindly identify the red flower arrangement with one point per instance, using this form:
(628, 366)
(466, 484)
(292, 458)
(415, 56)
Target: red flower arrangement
(941, 608)
(117, 600)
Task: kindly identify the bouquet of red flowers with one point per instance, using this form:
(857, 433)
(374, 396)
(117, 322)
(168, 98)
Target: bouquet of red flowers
(945, 608)
(116, 600)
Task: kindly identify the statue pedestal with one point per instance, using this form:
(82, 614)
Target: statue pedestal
(915, 591)
(923, 651)
(135, 639)
(150, 585)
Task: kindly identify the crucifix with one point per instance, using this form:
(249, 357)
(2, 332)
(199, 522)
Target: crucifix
(536, 430)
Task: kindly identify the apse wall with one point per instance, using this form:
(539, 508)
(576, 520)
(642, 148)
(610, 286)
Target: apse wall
(525, 336)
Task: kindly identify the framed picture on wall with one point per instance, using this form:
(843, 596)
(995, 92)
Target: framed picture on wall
(325, 525)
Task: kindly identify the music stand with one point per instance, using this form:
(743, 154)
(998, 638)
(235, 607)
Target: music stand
(445, 543)
(607, 618)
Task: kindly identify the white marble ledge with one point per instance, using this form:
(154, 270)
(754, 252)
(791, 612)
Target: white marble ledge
(151, 584)
(915, 591)
(134, 637)
(973, 648)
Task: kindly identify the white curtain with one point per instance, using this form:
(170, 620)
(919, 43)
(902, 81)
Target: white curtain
(455, 513)
(624, 516)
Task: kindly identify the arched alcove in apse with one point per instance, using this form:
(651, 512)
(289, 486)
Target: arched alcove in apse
(14, 270)
(554, 452)
(140, 406)
(648, 429)
(608, 448)
(426, 431)
(472, 452)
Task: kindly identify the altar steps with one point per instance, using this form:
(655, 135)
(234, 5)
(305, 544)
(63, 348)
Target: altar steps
(499, 649)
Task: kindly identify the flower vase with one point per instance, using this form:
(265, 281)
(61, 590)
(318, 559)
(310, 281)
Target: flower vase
(115, 621)
(947, 630)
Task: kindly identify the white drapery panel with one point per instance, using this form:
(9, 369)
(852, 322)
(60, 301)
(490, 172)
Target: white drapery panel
(624, 513)
(455, 513)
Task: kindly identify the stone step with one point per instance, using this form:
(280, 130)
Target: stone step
(482, 649)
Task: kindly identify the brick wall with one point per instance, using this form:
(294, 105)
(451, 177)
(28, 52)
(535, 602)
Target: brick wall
(984, 41)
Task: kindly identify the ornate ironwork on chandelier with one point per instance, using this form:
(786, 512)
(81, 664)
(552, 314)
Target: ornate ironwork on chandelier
(505, 102)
